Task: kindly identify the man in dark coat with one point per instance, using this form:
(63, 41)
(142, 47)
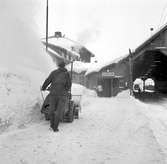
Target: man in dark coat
(60, 84)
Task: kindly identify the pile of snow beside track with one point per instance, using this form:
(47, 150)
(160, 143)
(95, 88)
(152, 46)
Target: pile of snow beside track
(20, 100)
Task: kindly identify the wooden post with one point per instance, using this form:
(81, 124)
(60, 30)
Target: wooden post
(131, 72)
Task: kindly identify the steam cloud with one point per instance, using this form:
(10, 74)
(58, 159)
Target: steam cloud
(20, 44)
(88, 35)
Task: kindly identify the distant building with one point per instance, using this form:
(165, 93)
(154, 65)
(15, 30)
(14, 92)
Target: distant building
(61, 47)
(109, 79)
(79, 69)
(150, 58)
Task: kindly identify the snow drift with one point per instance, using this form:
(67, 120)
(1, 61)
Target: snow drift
(23, 65)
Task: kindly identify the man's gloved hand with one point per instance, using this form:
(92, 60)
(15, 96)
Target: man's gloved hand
(48, 88)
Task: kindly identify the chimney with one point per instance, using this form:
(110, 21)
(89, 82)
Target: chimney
(58, 34)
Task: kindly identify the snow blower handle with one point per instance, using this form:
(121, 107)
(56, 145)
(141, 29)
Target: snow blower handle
(71, 78)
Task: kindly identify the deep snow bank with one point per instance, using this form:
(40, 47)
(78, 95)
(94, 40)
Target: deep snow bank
(155, 115)
(23, 65)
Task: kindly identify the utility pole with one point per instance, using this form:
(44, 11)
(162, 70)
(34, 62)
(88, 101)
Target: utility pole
(130, 72)
(46, 25)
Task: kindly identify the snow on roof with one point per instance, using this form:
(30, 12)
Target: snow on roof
(154, 35)
(54, 53)
(64, 43)
(98, 66)
(78, 66)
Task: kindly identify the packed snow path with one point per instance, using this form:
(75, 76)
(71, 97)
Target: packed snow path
(109, 131)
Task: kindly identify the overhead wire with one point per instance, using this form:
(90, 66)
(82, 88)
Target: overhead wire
(165, 18)
(163, 15)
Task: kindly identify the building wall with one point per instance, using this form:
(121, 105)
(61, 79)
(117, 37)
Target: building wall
(78, 78)
(85, 55)
(91, 80)
(120, 69)
(85, 58)
(65, 54)
(165, 38)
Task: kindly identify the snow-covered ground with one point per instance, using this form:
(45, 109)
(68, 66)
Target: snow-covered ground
(118, 130)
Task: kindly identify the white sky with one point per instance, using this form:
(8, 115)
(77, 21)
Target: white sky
(107, 27)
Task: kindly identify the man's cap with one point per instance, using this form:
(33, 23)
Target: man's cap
(61, 64)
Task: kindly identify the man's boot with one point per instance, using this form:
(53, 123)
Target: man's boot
(56, 122)
(51, 120)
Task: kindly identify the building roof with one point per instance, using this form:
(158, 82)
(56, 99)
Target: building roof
(151, 38)
(68, 44)
(54, 53)
(99, 66)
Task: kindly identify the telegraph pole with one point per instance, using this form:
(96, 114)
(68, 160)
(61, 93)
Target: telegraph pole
(46, 25)
(130, 72)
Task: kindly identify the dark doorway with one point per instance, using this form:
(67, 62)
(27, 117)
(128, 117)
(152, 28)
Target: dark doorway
(152, 64)
(106, 87)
